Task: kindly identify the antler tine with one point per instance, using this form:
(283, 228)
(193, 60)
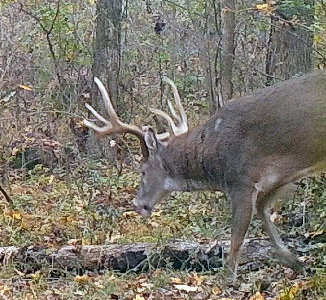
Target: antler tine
(165, 116)
(100, 130)
(106, 99)
(177, 101)
(181, 119)
(114, 125)
(172, 110)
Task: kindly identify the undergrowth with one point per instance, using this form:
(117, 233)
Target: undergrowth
(93, 205)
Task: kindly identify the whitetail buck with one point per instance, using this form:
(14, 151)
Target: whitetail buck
(251, 149)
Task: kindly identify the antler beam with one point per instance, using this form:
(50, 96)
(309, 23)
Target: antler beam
(114, 125)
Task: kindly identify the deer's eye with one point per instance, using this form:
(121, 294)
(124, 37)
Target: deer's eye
(145, 207)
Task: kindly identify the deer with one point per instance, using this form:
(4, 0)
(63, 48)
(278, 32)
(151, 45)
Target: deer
(253, 149)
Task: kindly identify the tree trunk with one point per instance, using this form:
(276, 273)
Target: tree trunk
(290, 46)
(107, 45)
(107, 57)
(209, 55)
(219, 61)
(227, 50)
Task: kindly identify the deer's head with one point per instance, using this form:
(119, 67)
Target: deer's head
(155, 180)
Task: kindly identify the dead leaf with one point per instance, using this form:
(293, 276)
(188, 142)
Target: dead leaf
(257, 296)
(197, 279)
(156, 213)
(290, 293)
(263, 7)
(186, 288)
(51, 178)
(86, 241)
(74, 242)
(99, 285)
(154, 224)
(4, 290)
(216, 291)
(130, 213)
(83, 279)
(8, 213)
(17, 215)
(14, 151)
(176, 280)
(35, 276)
(28, 296)
(29, 221)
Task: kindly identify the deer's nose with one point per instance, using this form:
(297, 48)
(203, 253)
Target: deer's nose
(143, 210)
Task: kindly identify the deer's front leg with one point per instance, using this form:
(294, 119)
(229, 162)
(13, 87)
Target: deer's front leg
(243, 201)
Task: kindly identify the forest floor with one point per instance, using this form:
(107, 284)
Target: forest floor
(91, 205)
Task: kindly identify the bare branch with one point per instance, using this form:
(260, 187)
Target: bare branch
(7, 197)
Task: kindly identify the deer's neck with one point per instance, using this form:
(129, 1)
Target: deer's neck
(192, 163)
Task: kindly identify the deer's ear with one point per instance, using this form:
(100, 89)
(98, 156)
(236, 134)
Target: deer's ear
(150, 139)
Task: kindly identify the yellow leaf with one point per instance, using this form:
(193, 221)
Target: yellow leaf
(17, 215)
(14, 151)
(264, 6)
(156, 213)
(28, 221)
(71, 219)
(36, 276)
(4, 290)
(290, 293)
(175, 280)
(25, 87)
(51, 179)
(86, 241)
(257, 296)
(138, 297)
(130, 213)
(198, 279)
(7, 213)
(83, 279)
(216, 291)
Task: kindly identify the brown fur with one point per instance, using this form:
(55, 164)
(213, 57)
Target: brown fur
(251, 149)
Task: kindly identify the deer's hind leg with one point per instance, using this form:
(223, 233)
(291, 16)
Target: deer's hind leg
(264, 203)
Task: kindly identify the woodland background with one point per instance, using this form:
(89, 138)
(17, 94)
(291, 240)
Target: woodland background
(68, 188)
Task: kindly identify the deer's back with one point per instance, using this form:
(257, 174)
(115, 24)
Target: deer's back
(280, 128)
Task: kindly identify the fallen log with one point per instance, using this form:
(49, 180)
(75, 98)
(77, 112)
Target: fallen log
(135, 257)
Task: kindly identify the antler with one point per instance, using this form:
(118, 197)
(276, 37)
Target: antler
(181, 127)
(117, 126)
(114, 125)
